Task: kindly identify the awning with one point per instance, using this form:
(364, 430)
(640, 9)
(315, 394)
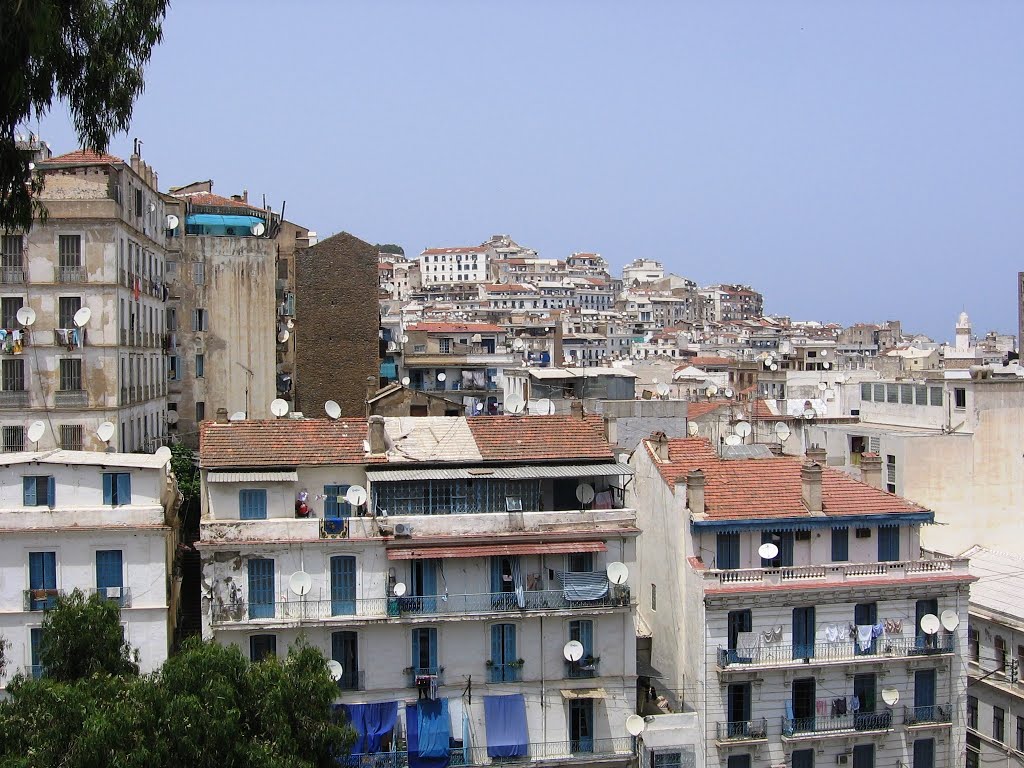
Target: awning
(505, 719)
(584, 693)
(499, 473)
(493, 550)
(252, 477)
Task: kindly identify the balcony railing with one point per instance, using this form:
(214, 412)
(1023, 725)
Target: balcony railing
(40, 599)
(120, 595)
(70, 274)
(69, 337)
(72, 398)
(835, 573)
(742, 730)
(850, 723)
(584, 750)
(354, 680)
(16, 398)
(424, 677)
(585, 667)
(433, 605)
(928, 715)
(820, 653)
(11, 275)
(512, 672)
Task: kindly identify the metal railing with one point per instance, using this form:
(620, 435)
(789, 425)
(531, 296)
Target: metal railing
(935, 713)
(14, 398)
(352, 681)
(773, 654)
(120, 595)
(839, 573)
(512, 672)
(69, 337)
(11, 275)
(583, 750)
(71, 398)
(741, 730)
(70, 274)
(584, 668)
(40, 599)
(424, 676)
(855, 721)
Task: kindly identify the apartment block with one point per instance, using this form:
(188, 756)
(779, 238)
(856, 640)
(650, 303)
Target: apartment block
(467, 264)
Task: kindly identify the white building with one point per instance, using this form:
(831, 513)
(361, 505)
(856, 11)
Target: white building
(816, 656)
(448, 598)
(642, 271)
(92, 521)
(454, 265)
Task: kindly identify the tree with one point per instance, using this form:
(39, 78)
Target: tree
(89, 54)
(183, 464)
(390, 248)
(82, 637)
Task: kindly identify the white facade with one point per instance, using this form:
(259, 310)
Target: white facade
(454, 265)
(62, 531)
(642, 271)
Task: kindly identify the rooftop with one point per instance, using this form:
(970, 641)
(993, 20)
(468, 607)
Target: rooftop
(467, 249)
(283, 443)
(456, 328)
(1000, 580)
(93, 458)
(82, 157)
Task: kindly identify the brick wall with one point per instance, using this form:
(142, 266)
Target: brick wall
(338, 318)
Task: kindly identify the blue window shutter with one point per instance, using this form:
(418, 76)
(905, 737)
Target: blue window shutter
(415, 650)
(432, 634)
(252, 504)
(495, 574)
(497, 660)
(108, 487)
(343, 585)
(243, 505)
(109, 569)
(430, 577)
(124, 488)
(510, 643)
(51, 491)
(840, 545)
(261, 588)
(35, 570)
(924, 753)
(924, 688)
(28, 485)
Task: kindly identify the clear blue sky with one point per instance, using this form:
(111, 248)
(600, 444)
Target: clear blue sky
(855, 161)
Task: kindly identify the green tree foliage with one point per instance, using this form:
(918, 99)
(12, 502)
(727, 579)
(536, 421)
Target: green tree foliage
(183, 464)
(88, 54)
(390, 248)
(82, 637)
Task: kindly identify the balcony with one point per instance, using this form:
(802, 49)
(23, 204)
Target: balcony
(936, 714)
(71, 398)
(69, 337)
(12, 275)
(120, 595)
(71, 274)
(843, 574)
(354, 680)
(40, 599)
(583, 751)
(16, 398)
(424, 677)
(780, 655)
(733, 732)
(827, 725)
(584, 668)
(512, 672)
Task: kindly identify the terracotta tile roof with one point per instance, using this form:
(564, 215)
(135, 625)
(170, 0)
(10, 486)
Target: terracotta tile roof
(710, 360)
(216, 201)
(509, 288)
(704, 407)
(761, 410)
(540, 438)
(467, 249)
(283, 443)
(82, 157)
(769, 488)
(456, 328)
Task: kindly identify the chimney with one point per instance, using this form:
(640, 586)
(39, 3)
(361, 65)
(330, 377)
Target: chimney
(695, 492)
(611, 429)
(659, 442)
(378, 440)
(816, 454)
(222, 415)
(557, 360)
(576, 409)
(871, 469)
(810, 487)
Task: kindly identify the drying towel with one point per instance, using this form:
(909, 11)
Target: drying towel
(864, 636)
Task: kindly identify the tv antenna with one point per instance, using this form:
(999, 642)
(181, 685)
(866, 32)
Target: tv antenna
(332, 409)
(279, 407)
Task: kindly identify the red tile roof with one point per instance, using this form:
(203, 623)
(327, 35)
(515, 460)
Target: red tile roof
(508, 288)
(456, 328)
(769, 488)
(710, 360)
(540, 438)
(704, 407)
(82, 157)
(467, 249)
(216, 201)
(283, 443)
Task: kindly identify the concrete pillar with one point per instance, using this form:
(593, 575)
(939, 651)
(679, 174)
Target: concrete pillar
(810, 487)
(695, 491)
(871, 469)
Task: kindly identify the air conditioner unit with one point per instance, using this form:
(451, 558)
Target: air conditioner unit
(843, 759)
(113, 593)
(403, 529)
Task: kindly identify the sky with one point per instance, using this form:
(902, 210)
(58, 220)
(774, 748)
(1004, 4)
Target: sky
(852, 161)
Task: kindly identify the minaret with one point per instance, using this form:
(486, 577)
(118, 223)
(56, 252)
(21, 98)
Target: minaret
(963, 333)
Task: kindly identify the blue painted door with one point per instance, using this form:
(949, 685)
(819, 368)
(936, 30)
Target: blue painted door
(343, 585)
(261, 588)
(42, 579)
(581, 725)
(424, 651)
(582, 630)
(924, 694)
(503, 654)
(803, 632)
(35, 641)
(924, 753)
(109, 572)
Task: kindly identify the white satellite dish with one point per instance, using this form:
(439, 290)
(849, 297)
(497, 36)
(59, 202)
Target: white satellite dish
(152, 207)
(26, 316)
(82, 317)
(518, 344)
(782, 430)
(635, 725)
(442, 376)
(930, 623)
(692, 429)
(283, 335)
(733, 440)
(405, 381)
(826, 366)
(617, 573)
(279, 407)
(515, 403)
(172, 418)
(399, 589)
(258, 228)
(890, 696)
(543, 407)
(35, 431)
(404, 339)
(172, 221)
(711, 391)
(335, 669)
(830, 394)
(573, 650)
(950, 620)
(729, 392)
(332, 409)
(822, 386)
(163, 453)
(478, 407)
(774, 366)
(768, 551)
(742, 428)
(237, 416)
(809, 413)
(824, 353)
(356, 495)
(585, 493)
(105, 431)
(392, 347)
(300, 583)
(663, 389)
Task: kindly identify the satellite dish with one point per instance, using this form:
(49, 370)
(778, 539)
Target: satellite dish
(290, 324)
(768, 551)
(663, 389)
(930, 623)
(442, 376)
(404, 339)
(822, 386)
(300, 583)
(830, 394)
(635, 725)
(172, 221)
(405, 381)
(733, 440)
(890, 696)
(729, 392)
(237, 416)
(335, 669)
(515, 403)
(479, 406)
(392, 347)
(824, 353)
(573, 650)
(585, 493)
(399, 589)
(782, 430)
(163, 453)
(105, 431)
(356, 495)
(152, 207)
(774, 366)
(258, 228)
(26, 316)
(617, 573)
(172, 418)
(82, 317)
(809, 413)
(35, 431)
(826, 366)
(712, 390)
(692, 429)
(742, 428)
(332, 409)
(544, 407)
(283, 335)
(518, 344)
(279, 407)
(950, 620)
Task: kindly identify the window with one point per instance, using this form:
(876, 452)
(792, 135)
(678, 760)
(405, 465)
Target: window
(335, 504)
(959, 398)
(998, 720)
(974, 645)
(865, 614)
(343, 585)
(935, 395)
(840, 544)
(784, 541)
(9, 306)
(199, 319)
(504, 665)
(38, 490)
(668, 760)
(13, 439)
(863, 533)
(345, 651)
(890, 473)
(738, 709)
(654, 597)
(803, 758)
(892, 393)
(138, 202)
(109, 570)
(728, 551)
(581, 725)
(973, 750)
(738, 761)
(907, 394)
(580, 562)
(864, 756)
(888, 543)
(252, 504)
(972, 712)
(803, 632)
(198, 273)
(36, 648)
(200, 366)
(70, 250)
(117, 488)
(444, 346)
(582, 631)
(737, 622)
(424, 651)
(11, 250)
(879, 393)
(261, 588)
(999, 648)
(200, 411)
(262, 647)
(1020, 734)
(42, 579)
(70, 374)
(71, 437)
(67, 306)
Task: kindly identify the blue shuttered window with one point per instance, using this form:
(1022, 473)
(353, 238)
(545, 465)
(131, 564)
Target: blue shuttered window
(728, 554)
(42, 579)
(840, 545)
(924, 753)
(39, 490)
(109, 571)
(888, 543)
(864, 756)
(924, 694)
(334, 501)
(35, 648)
(343, 585)
(863, 615)
(345, 651)
(117, 488)
(262, 647)
(803, 758)
(424, 651)
(252, 504)
(261, 588)
(504, 665)
(581, 725)
(582, 631)
(803, 632)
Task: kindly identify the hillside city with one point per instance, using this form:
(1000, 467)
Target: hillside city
(533, 507)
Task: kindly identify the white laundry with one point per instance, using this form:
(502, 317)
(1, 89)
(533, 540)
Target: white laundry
(746, 643)
(864, 636)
